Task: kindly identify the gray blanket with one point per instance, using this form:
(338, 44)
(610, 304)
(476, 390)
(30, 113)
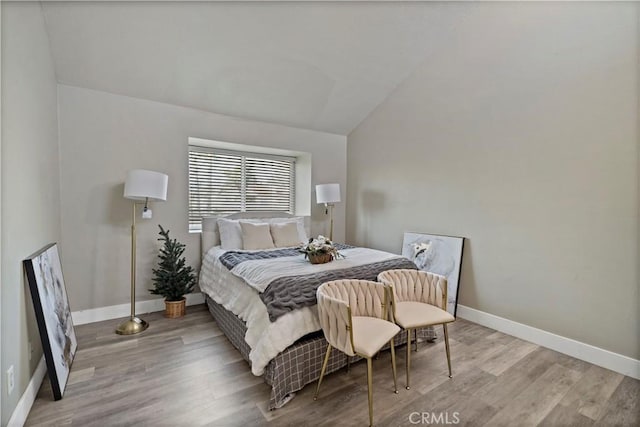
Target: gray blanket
(232, 258)
(286, 294)
(290, 293)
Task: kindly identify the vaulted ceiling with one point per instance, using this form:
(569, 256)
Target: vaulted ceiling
(322, 66)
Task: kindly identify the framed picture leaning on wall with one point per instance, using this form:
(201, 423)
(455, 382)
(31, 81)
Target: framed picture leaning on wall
(437, 254)
(51, 306)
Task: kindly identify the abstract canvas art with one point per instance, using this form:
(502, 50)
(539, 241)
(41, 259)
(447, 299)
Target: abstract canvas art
(437, 254)
(51, 306)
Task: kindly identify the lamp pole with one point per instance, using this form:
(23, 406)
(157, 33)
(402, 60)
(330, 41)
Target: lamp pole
(141, 186)
(331, 205)
(133, 325)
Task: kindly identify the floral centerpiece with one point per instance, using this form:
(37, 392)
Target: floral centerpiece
(320, 250)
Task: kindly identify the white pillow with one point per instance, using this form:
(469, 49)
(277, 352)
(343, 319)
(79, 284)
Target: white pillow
(302, 233)
(256, 236)
(230, 234)
(285, 234)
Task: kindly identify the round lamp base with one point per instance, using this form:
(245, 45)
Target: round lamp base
(133, 325)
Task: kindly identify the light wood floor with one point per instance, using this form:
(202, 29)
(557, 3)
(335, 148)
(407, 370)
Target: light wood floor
(185, 373)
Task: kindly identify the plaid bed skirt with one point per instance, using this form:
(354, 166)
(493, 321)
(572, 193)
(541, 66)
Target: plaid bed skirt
(300, 363)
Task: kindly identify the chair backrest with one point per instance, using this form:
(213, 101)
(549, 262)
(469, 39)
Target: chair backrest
(416, 285)
(338, 300)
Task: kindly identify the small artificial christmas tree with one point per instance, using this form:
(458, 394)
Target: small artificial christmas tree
(172, 279)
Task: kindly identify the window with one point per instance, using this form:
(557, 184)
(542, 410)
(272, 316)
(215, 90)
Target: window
(223, 181)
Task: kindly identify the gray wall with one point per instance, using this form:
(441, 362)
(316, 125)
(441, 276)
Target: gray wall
(520, 132)
(30, 181)
(104, 135)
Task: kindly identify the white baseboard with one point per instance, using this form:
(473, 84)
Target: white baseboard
(20, 414)
(123, 310)
(598, 356)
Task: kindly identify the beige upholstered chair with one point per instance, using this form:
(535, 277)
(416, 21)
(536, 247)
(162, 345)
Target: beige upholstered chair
(353, 315)
(419, 299)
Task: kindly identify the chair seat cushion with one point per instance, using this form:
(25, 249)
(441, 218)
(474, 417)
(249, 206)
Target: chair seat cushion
(370, 334)
(412, 314)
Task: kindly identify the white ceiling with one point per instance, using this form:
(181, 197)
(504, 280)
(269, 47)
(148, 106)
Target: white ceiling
(322, 66)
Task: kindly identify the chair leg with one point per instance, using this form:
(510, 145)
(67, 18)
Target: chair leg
(446, 346)
(324, 367)
(415, 337)
(408, 356)
(393, 366)
(370, 389)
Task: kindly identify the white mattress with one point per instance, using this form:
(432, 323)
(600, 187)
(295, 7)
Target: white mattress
(265, 338)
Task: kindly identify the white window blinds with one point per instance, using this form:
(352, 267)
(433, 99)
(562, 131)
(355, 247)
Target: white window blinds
(222, 182)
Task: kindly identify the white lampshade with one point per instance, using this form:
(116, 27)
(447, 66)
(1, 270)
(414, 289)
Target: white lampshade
(328, 193)
(143, 184)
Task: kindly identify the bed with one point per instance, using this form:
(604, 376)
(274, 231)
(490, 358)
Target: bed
(264, 300)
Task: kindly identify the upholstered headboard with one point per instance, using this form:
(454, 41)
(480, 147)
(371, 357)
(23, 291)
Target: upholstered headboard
(211, 237)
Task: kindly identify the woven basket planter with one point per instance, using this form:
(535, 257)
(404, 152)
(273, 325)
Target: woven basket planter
(320, 258)
(174, 309)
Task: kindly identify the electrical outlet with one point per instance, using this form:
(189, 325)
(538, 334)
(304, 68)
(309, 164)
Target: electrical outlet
(10, 380)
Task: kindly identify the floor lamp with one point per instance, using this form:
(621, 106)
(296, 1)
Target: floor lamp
(329, 194)
(141, 186)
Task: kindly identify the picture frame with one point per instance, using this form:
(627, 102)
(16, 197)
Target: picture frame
(53, 315)
(438, 254)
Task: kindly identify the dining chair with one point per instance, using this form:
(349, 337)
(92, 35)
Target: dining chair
(353, 315)
(418, 299)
